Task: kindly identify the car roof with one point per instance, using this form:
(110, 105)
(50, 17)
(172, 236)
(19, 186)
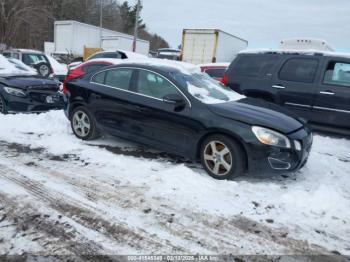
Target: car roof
(127, 53)
(215, 65)
(297, 52)
(162, 65)
(25, 51)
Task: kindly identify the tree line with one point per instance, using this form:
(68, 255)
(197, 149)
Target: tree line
(29, 23)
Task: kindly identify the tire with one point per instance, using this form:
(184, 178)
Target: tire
(83, 124)
(44, 69)
(2, 106)
(226, 161)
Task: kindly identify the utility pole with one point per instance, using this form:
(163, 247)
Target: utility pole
(101, 21)
(138, 8)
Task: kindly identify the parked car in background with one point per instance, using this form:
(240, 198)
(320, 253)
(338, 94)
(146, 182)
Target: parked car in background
(33, 58)
(45, 65)
(314, 85)
(216, 70)
(24, 91)
(87, 67)
(118, 54)
(22, 66)
(176, 108)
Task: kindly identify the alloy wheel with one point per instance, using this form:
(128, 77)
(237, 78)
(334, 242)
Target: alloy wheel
(81, 124)
(218, 158)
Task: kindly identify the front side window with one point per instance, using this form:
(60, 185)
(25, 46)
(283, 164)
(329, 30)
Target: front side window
(154, 85)
(206, 89)
(299, 70)
(119, 78)
(337, 73)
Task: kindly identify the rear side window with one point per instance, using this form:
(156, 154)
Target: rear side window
(255, 65)
(299, 70)
(99, 78)
(337, 73)
(216, 72)
(119, 78)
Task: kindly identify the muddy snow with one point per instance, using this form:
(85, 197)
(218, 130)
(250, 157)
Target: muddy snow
(63, 196)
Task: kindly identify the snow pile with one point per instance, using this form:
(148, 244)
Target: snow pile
(312, 204)
(58, 69)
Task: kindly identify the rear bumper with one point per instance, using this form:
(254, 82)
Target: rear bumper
(268, 160)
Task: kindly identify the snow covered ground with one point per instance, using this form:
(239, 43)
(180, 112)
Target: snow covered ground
(60, 195)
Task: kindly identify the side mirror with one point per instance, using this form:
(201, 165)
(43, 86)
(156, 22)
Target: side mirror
(174, 99)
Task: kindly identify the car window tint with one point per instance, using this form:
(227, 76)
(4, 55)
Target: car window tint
(99, 78)
(32, 59)
(119, 78)
(216, 72)
(154, 85)
(337, 74)
(299, 70)
(94, 67)
(255, 65)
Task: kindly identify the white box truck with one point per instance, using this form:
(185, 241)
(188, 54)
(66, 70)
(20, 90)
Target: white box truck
(72, 36)
(201, 46)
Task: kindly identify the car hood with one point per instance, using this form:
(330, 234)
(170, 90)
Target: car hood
(30, 82)
(260, 113)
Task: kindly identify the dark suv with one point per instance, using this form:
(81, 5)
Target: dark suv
(314, 85)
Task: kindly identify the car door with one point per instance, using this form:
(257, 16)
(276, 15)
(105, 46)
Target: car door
(165, 125)
(294, 84)
(109, 101)
(332, 101)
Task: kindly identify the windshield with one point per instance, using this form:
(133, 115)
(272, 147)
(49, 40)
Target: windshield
(206, 89)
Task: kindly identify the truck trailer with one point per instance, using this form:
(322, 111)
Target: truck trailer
(72, 37)
(201, 46)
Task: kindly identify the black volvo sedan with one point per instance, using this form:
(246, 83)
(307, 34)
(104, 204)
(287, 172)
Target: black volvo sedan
(178, 109)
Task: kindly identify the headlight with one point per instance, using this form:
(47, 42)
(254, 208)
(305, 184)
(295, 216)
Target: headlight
(14, 91)
(270, 137)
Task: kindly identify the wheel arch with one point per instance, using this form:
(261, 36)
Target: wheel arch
(234, 137)
(74, 104)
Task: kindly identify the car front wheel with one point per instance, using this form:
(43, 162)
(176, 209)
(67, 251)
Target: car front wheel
(222, 157)
(83, 124)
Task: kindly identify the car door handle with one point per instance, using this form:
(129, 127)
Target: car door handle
(278, 87)
(329, 93)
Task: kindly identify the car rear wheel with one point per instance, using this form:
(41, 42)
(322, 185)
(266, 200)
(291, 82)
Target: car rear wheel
(83, 124)
(222, 157)
(2, 106)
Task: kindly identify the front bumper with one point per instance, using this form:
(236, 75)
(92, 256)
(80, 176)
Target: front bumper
(35, 101)
(265, 160)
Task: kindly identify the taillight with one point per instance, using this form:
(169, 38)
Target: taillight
(225, 79)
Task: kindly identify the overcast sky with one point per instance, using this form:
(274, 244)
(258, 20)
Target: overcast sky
(262, 22)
